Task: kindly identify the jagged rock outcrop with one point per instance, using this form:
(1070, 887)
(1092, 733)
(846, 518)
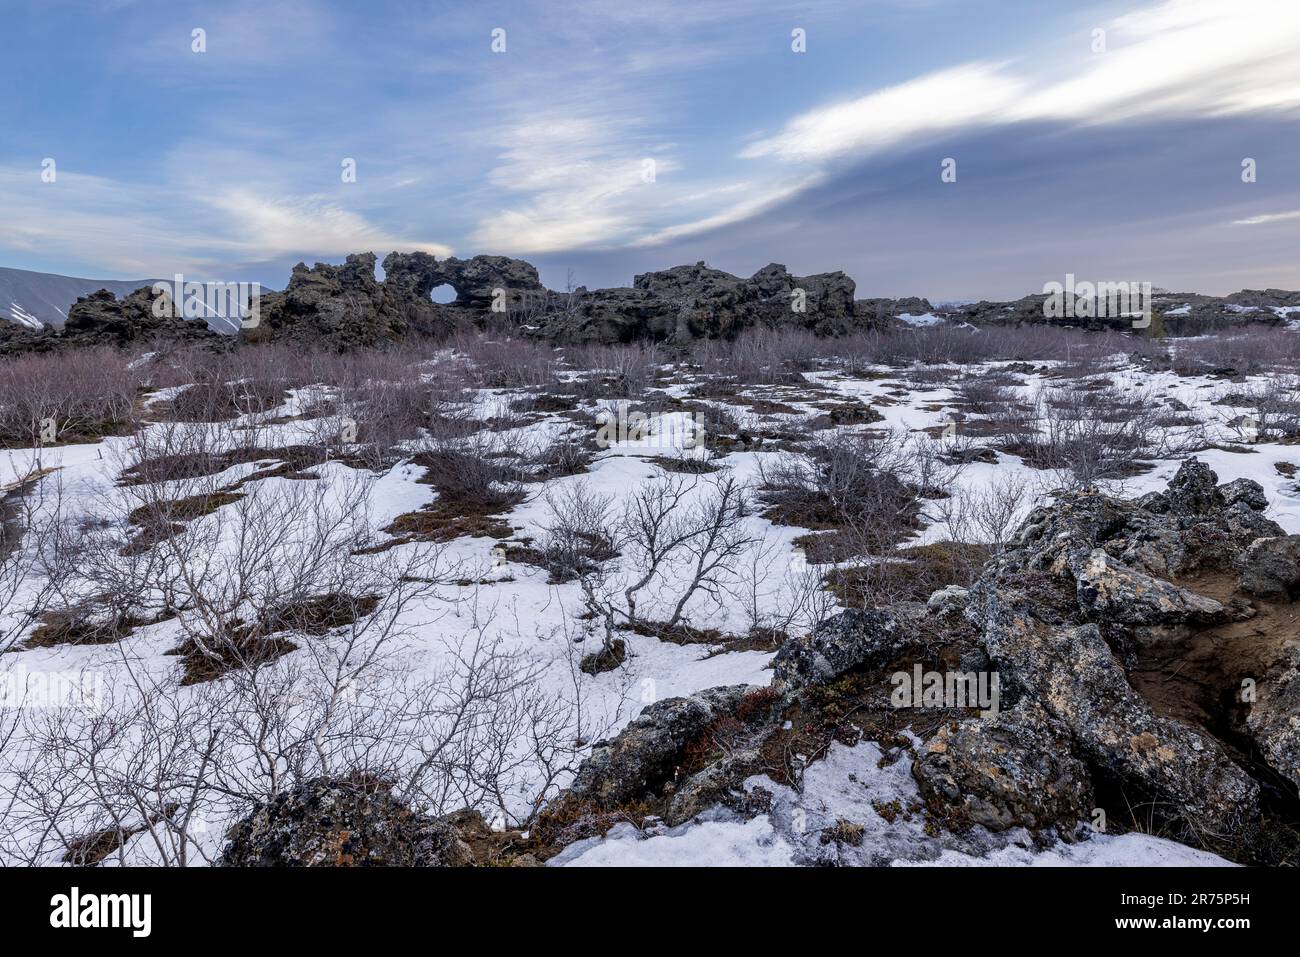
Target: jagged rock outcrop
(1271, 566)
(1017, 769)
(879, 312)
(337, 307)
(477, 280)
(345, 306)
(852, 639)
(342, 306)
(690, 302)
(102, 319)
(1070, 656)
(342, 823)
(646, 754)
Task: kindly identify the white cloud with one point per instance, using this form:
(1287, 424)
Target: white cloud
(761, 200)
(577, 174)
(265, 228)
(940, 101)
(125, 231)
(1267, 218)
(585, 178)
(1180, 57)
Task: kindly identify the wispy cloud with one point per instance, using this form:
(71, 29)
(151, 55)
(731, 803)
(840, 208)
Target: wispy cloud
(1267, 218)
(939, 102)
(1176, 59)
(230, 158)
(88, 218)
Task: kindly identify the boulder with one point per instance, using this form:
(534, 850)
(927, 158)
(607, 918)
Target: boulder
(1245, 491)
(1015, 769)
(330, 822)
(719, 783)
(949, 600)
(1111, 591)
(1194, 489)
(645, 755)
(852, 639)
(1273, 720)
(1271, 566)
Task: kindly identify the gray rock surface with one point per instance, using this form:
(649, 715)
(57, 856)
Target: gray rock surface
(645, 755)
(338, 823)
(1017, 769)
(1271, 566)
(852, 639)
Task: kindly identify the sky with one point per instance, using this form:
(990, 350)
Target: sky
(603, 138)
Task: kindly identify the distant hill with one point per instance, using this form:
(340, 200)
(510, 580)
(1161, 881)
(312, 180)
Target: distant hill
(35, 299)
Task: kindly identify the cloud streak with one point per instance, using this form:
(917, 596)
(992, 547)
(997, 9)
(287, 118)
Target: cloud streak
(1177, 59)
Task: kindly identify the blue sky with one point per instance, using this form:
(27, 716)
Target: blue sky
(226, 164)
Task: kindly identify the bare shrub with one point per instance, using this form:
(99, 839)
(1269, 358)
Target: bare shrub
(624, 371)
(1249, 351)
(566, 453)
(854, 484)
(39, 553)
(1087, 435)
(1272, 409)
(986, 514)
(508, 363)
(579, 535)
(474, 471)
(77, 395)
(678, 540)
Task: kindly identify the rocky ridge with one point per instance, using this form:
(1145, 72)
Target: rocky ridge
(343, 306)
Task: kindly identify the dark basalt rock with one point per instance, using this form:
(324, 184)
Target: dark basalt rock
(1017, 769)
(342, 823)
(101, 319)
(1271, 566)
(645, 755)
(690, 302)
(476, 281)
(345, 306)
(337, 307)
(852, 639)
(1272, 720)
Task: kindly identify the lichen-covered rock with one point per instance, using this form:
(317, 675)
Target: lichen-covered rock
(1188, 772)
(1246, 491)
(1015, 769)
(1271, 566)
(714, 785)
(1274, 717)
(948, 600)
(646, 754)
(852, 639)
(1194, 490)
(1050, 651)
(1111, 591)
(342, 823)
